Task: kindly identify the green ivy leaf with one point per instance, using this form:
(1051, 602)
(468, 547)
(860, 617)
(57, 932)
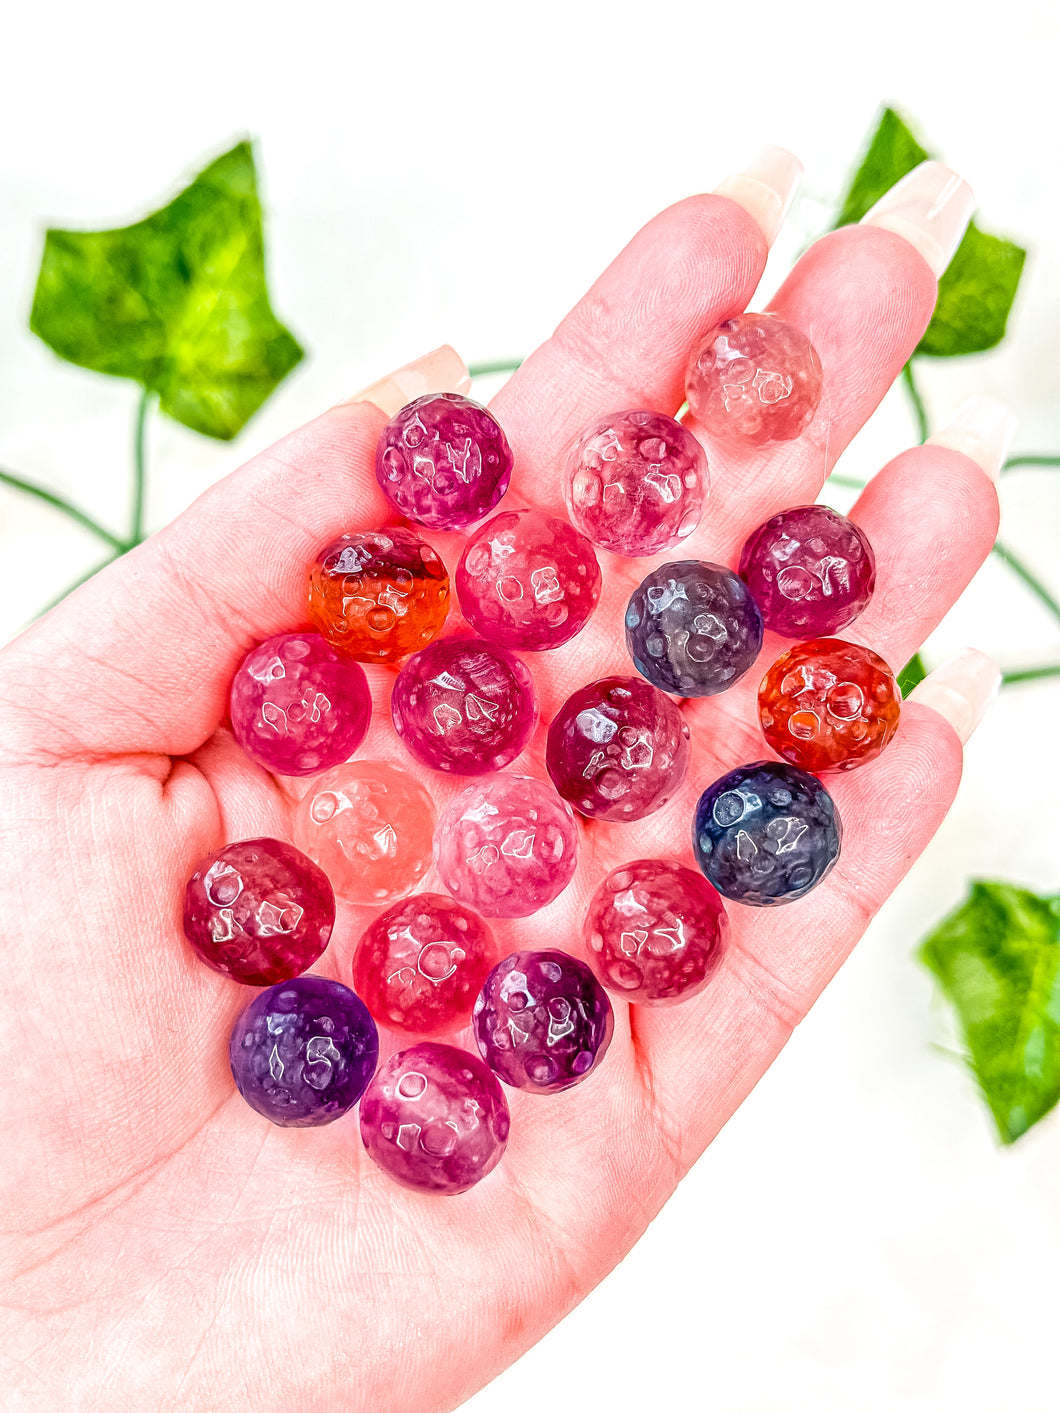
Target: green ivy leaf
(911, 674)
(178, 301)
(997, 957)
(978, 288)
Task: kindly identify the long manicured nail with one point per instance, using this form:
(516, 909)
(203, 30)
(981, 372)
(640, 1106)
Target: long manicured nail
(930, 208)
(442, 370)
(765, 188)
(961, 690)
(982, 429)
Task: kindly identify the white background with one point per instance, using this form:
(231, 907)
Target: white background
(855, 1240)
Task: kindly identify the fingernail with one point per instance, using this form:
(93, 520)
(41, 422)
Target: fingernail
(930, 208)
(982, 429)
(961, 690)
(765, 188)
(442, 370)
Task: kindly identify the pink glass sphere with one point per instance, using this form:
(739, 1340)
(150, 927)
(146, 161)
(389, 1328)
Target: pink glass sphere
(297, 707)
(419, 966)
(464, 705)
(635, 482)
(259, 911)
(506, 846)
(528, 580)
(655, 932)
(754, 379)
(435, 1119)
(369, 826)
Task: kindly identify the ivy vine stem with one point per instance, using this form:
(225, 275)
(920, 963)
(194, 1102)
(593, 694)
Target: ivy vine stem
(500, 365)
(136, 524)
(1022, 571)
(1031, 459)
(923, 426)
(1030, 674)
(74, 512)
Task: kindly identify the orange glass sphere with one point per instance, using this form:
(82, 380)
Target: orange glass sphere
(378, 595)
(829, 705)
(370, 827)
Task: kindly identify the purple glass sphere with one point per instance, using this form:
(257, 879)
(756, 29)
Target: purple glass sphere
(303, 1052)
(692, 628)
(297, 707)
(635, 482)
(443, 461)
(766, 833)
(528, 580)
(464, 705)
(617, 749)
(506, 846)
(259, 911)
(435, 1119)
(542, 1021)
(811, 571)
(655, 932)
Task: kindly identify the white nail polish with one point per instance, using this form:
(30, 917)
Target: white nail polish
(930, 208)
(765, 188)
(441, 370)
(961, 690)
(982, 429)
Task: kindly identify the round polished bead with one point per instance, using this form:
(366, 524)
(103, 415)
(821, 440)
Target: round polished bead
(811, 571)
(506, 846)
(419, 965)
(297, 707)
(829, 705)
(464, 705)
(369, 826)
(303, 1052)
(692, 628)
(655, 932)
(528, 580)
(542, 1021)
(635, 482)
(617, 749)
(766, 833)
(443, 461)
(378, 595)
(754, 379)
(259, 911)
(435, 1119)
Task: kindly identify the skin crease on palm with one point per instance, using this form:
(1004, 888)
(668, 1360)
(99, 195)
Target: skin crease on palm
(164, 1246)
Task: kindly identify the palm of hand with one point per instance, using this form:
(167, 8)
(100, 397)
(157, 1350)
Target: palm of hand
(175, 1242)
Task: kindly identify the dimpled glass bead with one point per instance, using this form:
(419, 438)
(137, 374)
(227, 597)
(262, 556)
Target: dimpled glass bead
(617, 749)
(420, 965)
(303, 1052)
(259, 911)
(766, 833)
(443, 461)
(754, 379)
(369, 826)
(464, 705)
(811, 571)
(435, 1119)
(378, 595)
(635, 482)
(297, 707)
(829, 705)
(542, 1021)
(506, 846)
(528, 580)
(692, 628)
(655, 932)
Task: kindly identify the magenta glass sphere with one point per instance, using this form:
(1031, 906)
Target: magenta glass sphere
(542, 1022)
(655, 932)
(811, 571)
(464, 705)
(297, 707)
(506, 846)
(635, 482)
(435, 1119)
(443, 461)
(528, 580)
(419, 965)
(617, 749)
(755, 379)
